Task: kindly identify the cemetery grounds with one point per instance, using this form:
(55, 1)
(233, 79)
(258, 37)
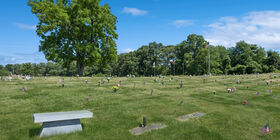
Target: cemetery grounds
(115, 113)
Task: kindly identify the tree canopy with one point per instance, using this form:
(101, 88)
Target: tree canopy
(78, 30)
(191, 58)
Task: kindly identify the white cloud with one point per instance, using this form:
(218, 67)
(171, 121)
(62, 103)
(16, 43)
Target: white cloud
(127, 50)
(182, 23)
(25, 26)
(134, 11)
(19, 58)
(261, 28)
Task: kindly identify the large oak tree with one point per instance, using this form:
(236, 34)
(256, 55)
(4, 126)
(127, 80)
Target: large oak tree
(76, 30)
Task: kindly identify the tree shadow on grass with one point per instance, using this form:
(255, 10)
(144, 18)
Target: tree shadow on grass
(34, 132)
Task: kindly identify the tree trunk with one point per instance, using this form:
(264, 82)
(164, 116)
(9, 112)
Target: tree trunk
(80, 67)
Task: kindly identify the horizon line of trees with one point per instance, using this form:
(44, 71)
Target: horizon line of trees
(190, 57)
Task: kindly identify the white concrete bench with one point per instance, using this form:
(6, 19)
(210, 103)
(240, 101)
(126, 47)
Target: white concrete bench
(61, 122)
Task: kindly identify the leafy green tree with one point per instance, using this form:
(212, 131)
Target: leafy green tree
(273, 61)
(127, 64)
(195, 44)
(17, 68)
(180, 50)
(188, 62)
(248, 55)
(219, 54)
(253, 67)
(200, 65)
(240, 54)
(165, 55)
(76, 30)
(41, 70)
(226, 64)
(4, 71)
(27, 69)
(238, 69)
(147, 55)
(259, 55)
(10, 67)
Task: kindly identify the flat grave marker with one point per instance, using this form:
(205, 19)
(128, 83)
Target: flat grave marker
(141, 130)
(269, 91)
(189, 116)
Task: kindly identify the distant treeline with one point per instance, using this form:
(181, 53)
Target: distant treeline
(190, 57)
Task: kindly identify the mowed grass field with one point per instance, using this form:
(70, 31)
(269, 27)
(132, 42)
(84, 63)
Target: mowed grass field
(226, 118)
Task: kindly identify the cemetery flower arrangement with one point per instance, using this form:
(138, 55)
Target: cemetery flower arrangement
(143, 122)
(266, 129)
(115, 88)
(245, 102)
(24, 89)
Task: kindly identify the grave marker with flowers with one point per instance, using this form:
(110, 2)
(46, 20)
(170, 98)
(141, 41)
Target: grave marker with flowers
(62, 82)
(24, 88)
(181, 84)
(115, 88)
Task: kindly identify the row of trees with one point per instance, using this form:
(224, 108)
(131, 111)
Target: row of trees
(50, 69)
(190, 58)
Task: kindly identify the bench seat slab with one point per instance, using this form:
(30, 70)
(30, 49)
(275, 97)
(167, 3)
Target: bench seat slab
(60, 116)
(60, 127)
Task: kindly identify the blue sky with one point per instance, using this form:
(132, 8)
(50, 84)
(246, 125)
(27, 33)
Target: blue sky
(222, 22)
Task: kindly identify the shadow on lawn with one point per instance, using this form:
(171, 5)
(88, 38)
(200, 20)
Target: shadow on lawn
(34, 132)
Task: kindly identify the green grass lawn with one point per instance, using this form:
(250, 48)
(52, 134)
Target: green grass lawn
(115, 113)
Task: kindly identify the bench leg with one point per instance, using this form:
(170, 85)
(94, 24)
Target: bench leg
(60, 127)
